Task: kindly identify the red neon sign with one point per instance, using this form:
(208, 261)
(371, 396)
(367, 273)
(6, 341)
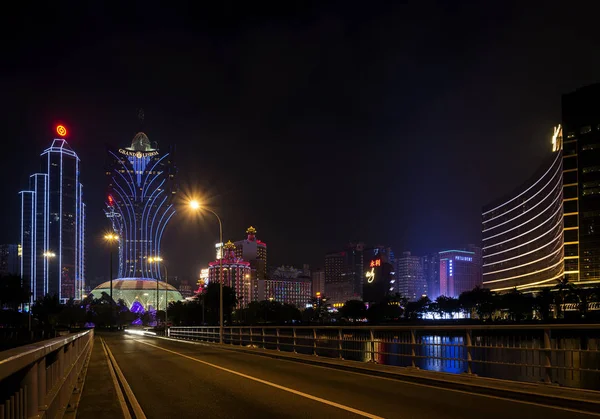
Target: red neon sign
(375, 263)
(61, 130)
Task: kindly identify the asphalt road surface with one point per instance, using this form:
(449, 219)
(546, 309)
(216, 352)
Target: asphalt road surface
(180, 380)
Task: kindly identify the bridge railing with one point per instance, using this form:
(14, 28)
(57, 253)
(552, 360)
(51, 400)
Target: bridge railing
(565, 354)
(39, 380)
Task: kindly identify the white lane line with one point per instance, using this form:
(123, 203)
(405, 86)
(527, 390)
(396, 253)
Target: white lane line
(137, 409)
(120, 396)
(397, 380)
(268, 383)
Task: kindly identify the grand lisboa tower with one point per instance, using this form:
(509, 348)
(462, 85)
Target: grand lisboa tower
(139, 204)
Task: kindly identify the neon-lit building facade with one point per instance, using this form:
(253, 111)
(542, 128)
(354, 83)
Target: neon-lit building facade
(139, 204)
(52, 226)
(523, 232)
(236, 274)
(460, 271)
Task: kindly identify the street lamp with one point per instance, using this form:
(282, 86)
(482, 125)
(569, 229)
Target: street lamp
(158, 261)
(195, 205)
(111, 238)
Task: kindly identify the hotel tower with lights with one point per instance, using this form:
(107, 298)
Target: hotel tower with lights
(52, 225)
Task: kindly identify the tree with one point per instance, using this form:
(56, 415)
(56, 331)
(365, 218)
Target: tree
(354, 310)
(13, 292)
(415, 309)
(518, 305)
(564, 290)
(211, 299)
(543, 302)
(46, 310)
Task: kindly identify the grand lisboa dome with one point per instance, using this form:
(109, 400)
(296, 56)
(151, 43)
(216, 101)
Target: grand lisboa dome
(143, 291)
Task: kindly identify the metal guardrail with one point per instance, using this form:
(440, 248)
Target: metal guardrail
(39, 380)
(565, 354)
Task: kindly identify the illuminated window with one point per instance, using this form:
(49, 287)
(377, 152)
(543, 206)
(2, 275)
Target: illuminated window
(591, 169)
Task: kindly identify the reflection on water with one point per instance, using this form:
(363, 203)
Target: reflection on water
(519, 358)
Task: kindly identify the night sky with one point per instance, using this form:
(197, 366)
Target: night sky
(316, 124)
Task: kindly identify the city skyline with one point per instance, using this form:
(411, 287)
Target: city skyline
(291, 166)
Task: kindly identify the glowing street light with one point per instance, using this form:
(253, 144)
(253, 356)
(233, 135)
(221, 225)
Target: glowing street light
(158, 260)
(111, 238)
(195, 206)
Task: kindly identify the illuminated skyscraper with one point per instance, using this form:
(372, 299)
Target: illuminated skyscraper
(459, 272)
(523, 232)
(581, 184)
(410, 277)
(236, 274)
(139, 204)
(52, 225)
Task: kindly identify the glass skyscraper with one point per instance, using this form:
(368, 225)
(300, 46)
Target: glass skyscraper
(139, 204)
(52, 226)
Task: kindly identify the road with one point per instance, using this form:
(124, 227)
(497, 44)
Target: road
(181, 380)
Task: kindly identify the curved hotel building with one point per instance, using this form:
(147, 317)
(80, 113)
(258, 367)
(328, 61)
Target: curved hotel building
(523, 234)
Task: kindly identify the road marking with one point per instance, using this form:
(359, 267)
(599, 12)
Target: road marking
(268, 383)
(120, 396)
(137, 409)
(397, 380)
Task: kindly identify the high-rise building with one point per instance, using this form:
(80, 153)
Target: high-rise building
(295, 291)
(9, 259)
(52, 225)
(459, 272)
(254, 251)
(141, 187)
(410, 277)
(339, 287)
(318, 282)
(431, 271)
(379, 278)
(581, 184)
(523, 232)
(236, 274)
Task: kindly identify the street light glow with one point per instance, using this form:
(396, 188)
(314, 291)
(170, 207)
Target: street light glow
(111, 237)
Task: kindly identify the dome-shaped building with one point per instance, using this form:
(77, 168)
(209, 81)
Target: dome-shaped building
(143, 291)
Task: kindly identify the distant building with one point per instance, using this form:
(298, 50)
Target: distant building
(9, 259)
(254, 251)
(295, 291)
(410, 278)
(236, 274)
(459, 272)
(431, 271)
(379, 279)
(52, 225)
(581, 184)
(318, 282)
(185, 288)
(339, 287)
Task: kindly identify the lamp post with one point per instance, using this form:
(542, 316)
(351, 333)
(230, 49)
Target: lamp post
(110, 239)
(47, 255)
(195, 205)
(158, 261)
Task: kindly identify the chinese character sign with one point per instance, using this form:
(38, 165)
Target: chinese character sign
(374, 263)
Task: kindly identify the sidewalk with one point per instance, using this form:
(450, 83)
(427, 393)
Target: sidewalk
(99, 398)
(565, 397)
